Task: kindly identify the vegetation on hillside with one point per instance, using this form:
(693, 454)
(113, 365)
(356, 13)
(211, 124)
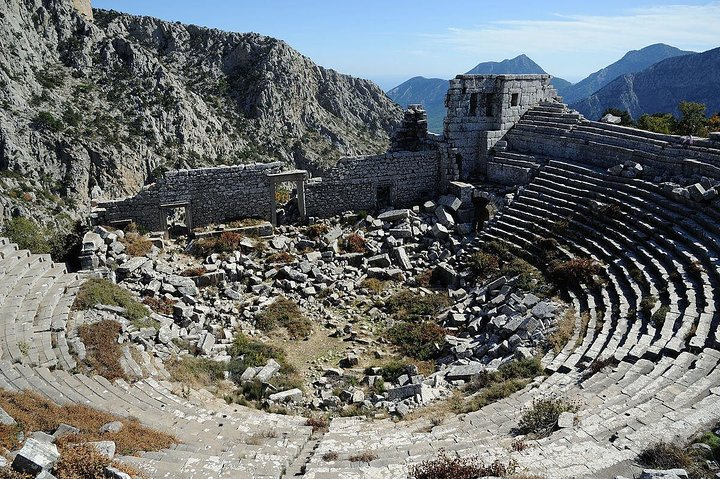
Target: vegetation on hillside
(693, 120)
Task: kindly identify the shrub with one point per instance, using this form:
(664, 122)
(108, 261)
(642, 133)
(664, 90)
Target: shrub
(366, 456)
(484, 264)
(103, 350)
(330, 456)
(285, 313)
(281, 257)
(193, 271)
(316, 230)
(540, 419)
(647, 304)
(658, 317)
(227, 242)
(663, 455)
(355, 243)
(529, 278)
(573, 272)
(393, 369)
(317, 423)
(101, 291)
(248, 352)
(197, 371)
(695, 269)
(136, 244)
(495, 385)
(446, 467)
(45, 120)
(160, 305)
(421, 341)
(27, 235)
(407, 305)
(373, 284)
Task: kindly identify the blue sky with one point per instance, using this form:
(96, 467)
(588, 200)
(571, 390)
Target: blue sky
(391, 41)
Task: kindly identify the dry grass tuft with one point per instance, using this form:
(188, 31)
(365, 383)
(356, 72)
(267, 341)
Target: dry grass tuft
(136, 244)
(563, 332)
(35, 413)
(366, 456)
(103, 350)
(84, 462)
(284, 312)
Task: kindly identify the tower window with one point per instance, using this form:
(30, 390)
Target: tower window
(489, 100)
(515, 99)
(473, 104)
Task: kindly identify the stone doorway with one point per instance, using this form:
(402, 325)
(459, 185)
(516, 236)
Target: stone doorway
(297, 177)
(176, 219)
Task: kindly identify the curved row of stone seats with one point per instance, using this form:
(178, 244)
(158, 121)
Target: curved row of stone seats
(622, 411)
(36, 296)
(33, 302)
(516, 205)
(219, 433)
(554, 131)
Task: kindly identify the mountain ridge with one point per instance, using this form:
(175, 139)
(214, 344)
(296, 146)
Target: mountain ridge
(100, 107)
(660, 87)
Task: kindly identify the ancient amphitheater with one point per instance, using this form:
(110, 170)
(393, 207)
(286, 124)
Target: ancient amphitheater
(662, 383)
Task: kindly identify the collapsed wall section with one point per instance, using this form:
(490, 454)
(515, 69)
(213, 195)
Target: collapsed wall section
(399, 178)
(211, 195)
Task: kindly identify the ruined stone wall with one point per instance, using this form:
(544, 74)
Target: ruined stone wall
(482, 108)
(214, 195)
(354, 183)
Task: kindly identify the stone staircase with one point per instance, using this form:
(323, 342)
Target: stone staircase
(218, 440)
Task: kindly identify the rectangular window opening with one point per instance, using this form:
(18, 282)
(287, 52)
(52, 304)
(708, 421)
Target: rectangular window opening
(473, 104)
(489, 100)
(515, 99)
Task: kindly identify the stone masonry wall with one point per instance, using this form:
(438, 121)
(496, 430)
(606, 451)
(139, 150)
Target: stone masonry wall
(214, 195)
(482, 108)
(353, 184)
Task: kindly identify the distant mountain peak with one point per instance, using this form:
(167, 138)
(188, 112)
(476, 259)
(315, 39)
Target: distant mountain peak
(518, 65)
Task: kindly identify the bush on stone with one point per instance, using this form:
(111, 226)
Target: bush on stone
(541, 418)
(421, 341)
(101, 291)
(284, 312)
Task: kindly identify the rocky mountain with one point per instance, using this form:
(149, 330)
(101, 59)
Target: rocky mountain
(632, 62)
(430, 92)
(661, 87)
(102, 106)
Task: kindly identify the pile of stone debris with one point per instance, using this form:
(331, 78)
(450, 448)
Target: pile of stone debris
(488, 325)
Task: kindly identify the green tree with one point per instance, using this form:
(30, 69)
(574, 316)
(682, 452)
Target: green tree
(713, 123)
(658, 122)
(625, 118)
(693, 120)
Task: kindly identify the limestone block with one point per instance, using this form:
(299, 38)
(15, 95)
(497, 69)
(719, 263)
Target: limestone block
(35, 457)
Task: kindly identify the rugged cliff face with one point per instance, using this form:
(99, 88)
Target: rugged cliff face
(100, 107)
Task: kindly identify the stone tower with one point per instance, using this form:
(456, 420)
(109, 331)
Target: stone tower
(84, 7)
(482, 108)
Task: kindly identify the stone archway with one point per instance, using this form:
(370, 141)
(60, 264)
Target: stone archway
(294, 176)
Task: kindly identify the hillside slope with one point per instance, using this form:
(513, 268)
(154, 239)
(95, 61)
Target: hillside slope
(661, 87)
(102, 105)
(632, 62)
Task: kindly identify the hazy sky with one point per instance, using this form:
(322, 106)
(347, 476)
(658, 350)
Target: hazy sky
(390, 41)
